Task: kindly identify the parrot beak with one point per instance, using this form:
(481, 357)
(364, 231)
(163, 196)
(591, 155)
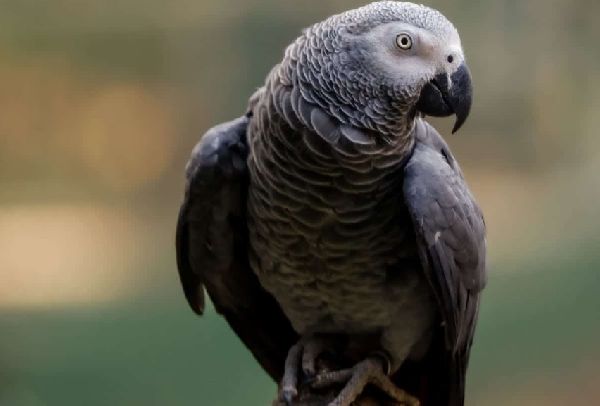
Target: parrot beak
(442, 97)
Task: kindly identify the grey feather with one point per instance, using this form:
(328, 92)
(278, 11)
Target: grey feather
(210, 228)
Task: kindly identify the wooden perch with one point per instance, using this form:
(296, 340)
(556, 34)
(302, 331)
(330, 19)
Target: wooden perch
(306, 397)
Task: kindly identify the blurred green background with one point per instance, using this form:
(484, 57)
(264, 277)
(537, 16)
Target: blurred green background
(100, 106)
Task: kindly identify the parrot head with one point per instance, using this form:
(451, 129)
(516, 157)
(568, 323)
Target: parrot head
(387, 61)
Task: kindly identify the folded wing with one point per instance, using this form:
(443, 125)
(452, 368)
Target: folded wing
(212, 247)
(450, 231)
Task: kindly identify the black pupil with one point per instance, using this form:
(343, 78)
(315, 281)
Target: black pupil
(450, 58)
(404, 41)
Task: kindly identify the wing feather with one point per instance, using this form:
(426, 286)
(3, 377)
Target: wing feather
(212, 247)
(450, 231)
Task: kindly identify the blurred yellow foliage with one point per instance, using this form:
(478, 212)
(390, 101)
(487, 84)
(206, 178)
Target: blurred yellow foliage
(67, 255)
(126, 136)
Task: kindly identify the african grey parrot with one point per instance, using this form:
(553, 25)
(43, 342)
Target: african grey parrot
(331, 217)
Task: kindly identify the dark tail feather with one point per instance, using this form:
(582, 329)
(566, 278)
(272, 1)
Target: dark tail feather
(438, 379)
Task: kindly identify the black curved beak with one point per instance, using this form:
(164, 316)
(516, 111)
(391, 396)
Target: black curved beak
(442, 97)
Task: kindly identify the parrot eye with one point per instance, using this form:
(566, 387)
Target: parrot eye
(404, 41)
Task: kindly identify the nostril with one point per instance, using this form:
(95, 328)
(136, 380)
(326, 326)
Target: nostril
(450, 59)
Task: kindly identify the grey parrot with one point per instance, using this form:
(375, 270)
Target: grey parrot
(331, 218)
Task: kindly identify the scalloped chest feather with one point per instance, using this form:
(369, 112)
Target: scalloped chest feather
(330, 236)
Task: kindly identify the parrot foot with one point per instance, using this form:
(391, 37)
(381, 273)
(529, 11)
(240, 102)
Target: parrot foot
(369, 371)
(303, 354)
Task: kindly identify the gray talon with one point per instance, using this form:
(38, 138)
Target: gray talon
(288, 395)
(301, 358)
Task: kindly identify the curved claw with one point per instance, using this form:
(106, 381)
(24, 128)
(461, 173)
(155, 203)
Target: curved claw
(302, 357)
(386, 363)
(288, 395)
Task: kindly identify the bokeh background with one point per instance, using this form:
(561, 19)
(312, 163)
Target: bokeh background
(101, 103)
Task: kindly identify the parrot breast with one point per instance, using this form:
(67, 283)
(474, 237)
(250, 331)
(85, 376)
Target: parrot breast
(330, 236)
